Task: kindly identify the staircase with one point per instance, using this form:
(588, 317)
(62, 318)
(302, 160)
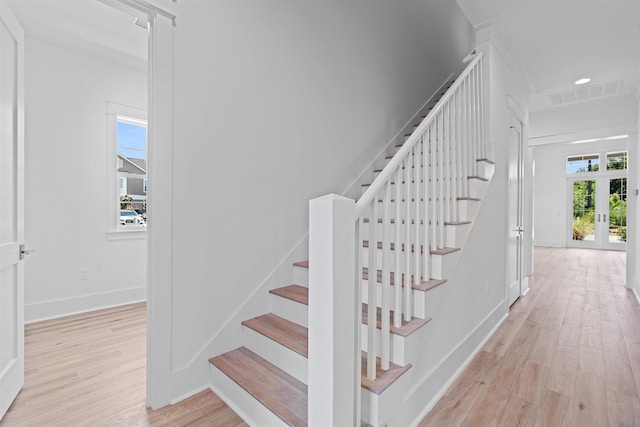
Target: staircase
(417, 213)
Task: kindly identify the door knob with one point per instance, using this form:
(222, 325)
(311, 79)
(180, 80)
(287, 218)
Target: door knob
(24, 251)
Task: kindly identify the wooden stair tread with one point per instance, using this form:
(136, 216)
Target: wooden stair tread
(472, 199)
(457, 222)
(429, 284)
(405, 330)
(484, 159)
(282, 331)
(295, 293)
(281, 393)
(383, 378)
(480, 178)
(443, 251)
(303, 264)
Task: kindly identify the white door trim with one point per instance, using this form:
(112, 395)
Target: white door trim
(161, 18)
(160, 202)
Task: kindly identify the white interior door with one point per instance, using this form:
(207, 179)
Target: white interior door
(515, 247)
(11, 209)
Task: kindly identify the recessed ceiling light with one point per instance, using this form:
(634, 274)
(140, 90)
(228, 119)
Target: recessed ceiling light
(583, 81)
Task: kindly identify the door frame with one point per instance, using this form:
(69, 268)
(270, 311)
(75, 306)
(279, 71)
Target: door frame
(602, 180)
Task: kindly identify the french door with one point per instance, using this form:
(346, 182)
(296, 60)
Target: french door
(598, 212)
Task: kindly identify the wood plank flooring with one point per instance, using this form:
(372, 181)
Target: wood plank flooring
(567, 355)
(90, 370)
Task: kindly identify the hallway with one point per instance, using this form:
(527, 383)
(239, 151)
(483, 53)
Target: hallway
(568, 354)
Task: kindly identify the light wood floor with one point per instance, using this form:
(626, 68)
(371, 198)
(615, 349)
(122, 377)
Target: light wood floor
(89, 370)
(568, 354)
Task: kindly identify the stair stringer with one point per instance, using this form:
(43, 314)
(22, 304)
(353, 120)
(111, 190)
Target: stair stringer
(436, 356)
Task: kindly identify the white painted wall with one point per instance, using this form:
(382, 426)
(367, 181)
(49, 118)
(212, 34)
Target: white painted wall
(67, 182)
(550, 132)
(277, 103)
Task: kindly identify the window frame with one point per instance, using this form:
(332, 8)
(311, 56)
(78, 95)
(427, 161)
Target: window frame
(120, 113)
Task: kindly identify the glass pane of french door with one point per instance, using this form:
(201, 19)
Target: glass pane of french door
(584, 210)
(617, 210)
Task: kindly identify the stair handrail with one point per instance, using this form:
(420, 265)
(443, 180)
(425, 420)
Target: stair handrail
(376, 186)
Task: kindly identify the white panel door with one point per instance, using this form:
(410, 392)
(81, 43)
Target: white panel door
(515, 247)
(11, 208)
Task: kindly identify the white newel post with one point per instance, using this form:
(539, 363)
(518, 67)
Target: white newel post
(334, 321)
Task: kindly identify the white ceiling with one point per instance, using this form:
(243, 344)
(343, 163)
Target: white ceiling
(558, 41)
(86, 26)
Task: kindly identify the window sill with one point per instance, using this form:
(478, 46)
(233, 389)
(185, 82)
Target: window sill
(127, 234)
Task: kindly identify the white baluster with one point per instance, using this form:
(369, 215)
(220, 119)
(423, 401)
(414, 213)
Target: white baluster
(386, 292)
(371, 293)
(482, 114)
(397, 252)
(440, 198)
(420, 167)
(467, 136)
(446, 156)
(407, 237)
(425, 204)
(433, 158)
(474, 131)
(454, 158)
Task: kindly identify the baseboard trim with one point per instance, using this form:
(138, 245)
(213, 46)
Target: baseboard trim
(53, 309)
(189, 394)
(462, 367)
(549, 243)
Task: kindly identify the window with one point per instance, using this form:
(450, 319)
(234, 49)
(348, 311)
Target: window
(132, 155)
(127, 216)
(583, 163)
(617, 161)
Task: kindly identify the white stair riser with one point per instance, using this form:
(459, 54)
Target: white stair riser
(456, 235)
(468, 209)
(478, 188)
(486, 169)
(288, 360)
(245, 405)
(418, 298)
(301, 276)
(396, 345)
(290, 310)
(442, 266)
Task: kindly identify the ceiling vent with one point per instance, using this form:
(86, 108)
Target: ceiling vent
(584, 93)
